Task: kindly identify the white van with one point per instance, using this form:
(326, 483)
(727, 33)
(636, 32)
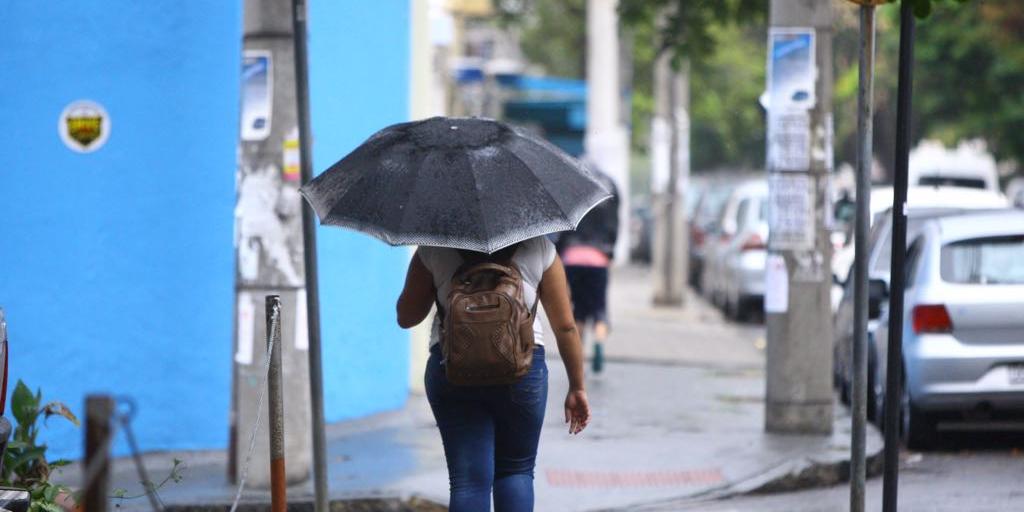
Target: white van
(970, 165)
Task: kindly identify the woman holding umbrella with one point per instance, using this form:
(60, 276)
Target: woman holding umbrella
(478, 197)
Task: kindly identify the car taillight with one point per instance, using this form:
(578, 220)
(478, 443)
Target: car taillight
(753, 243)
(697, 234)
(931, 318)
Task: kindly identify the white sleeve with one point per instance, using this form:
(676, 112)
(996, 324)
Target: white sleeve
(547, 253)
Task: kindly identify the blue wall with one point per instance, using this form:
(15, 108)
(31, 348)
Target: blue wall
(359, 82)
(116, 267)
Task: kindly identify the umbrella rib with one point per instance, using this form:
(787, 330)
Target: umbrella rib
(546, 191)
(479, 206)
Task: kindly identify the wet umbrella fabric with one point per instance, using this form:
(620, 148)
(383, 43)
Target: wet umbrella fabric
(465, 183)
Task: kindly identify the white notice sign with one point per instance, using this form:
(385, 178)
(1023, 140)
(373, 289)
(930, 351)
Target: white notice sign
(789, 141)
(776, 285)
(790, 211)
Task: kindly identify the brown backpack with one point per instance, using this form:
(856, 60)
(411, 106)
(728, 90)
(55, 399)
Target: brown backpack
(486, 328)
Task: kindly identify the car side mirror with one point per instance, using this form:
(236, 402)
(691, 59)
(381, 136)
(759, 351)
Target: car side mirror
(878, 293)
(14, 499)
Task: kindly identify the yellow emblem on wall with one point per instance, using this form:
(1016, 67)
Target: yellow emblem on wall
(84, 126)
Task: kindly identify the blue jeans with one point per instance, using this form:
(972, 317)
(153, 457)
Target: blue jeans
(490, 436)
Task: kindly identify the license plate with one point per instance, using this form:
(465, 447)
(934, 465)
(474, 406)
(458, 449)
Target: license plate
(1016, 374)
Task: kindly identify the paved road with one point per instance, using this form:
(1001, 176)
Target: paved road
(966, 475)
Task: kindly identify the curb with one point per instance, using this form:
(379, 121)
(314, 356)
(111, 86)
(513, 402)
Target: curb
(392, 504)
(789, 476)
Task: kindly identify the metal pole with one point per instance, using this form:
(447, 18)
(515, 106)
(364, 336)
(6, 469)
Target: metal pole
(865, 115)
(316, 386)
(894, 370)
(275, 390)
(98, 411)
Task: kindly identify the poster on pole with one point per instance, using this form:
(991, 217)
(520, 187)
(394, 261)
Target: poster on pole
(776, 285)
(791, 95)
(790, 211)
(257, 94)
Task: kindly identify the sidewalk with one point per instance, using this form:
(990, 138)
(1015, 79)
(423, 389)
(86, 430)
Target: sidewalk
(677, 417)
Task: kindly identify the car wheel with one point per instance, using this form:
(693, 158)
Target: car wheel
(917, 428)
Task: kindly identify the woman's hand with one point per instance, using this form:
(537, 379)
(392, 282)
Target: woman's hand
(577, 411)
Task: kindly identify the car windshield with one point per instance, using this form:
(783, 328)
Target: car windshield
(994, 260)
(711, 204)
(884, 260)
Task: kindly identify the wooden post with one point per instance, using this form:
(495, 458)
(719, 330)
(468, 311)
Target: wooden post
(98, 411)
(278, 498)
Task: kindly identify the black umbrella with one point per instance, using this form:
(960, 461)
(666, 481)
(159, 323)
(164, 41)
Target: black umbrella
(466, 183)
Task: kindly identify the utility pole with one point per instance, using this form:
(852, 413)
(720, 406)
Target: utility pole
(798, 276)
(670, 155)
(606, 141)
(269, 242)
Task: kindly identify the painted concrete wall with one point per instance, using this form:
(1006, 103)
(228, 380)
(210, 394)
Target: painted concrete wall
(359, 83)
(116, 267)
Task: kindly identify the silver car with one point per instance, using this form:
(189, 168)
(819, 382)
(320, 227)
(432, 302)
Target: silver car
(963, 333)
(744, 256)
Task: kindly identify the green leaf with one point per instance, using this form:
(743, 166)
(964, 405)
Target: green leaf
(30, 454)
(49, 507)
(24, 405)
(922, 8)
(119, 493)
(50, 492)
(60, 409)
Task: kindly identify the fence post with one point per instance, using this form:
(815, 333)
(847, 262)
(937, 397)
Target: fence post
(99, 410)
(278, 498)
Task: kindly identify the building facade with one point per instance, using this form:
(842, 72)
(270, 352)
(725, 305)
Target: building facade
(117, 198)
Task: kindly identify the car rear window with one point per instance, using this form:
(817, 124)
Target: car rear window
(993, 260)
(950, 181)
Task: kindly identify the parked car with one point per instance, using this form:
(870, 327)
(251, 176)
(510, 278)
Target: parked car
(745, 255)
(721, 237)
(917, 198)
(703, 225)
(879, 255)
(963, 334)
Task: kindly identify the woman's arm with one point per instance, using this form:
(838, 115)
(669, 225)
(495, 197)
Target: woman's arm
(554, 294)
(417, 296)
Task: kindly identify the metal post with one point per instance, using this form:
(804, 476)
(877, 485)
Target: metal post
(316, 387)
(275, 390)
(860, 265)
(894, 370)
(98, 412)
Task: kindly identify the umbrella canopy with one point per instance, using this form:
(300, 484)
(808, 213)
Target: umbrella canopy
(466, 183)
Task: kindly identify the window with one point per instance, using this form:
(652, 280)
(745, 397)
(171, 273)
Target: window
(741, 214)
(950, 181)
(993, 260)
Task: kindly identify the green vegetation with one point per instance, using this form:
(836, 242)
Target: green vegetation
(969, 70)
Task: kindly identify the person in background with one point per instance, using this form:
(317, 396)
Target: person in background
(587, 253)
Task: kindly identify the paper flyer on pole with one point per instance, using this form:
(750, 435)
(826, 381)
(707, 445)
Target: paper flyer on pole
(257, 94)
(776, 285)
(790, 211)
(791, 95)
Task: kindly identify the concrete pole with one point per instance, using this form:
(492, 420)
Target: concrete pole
(670, 155)
(606, 141)
(269, 243)
(799, 352)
